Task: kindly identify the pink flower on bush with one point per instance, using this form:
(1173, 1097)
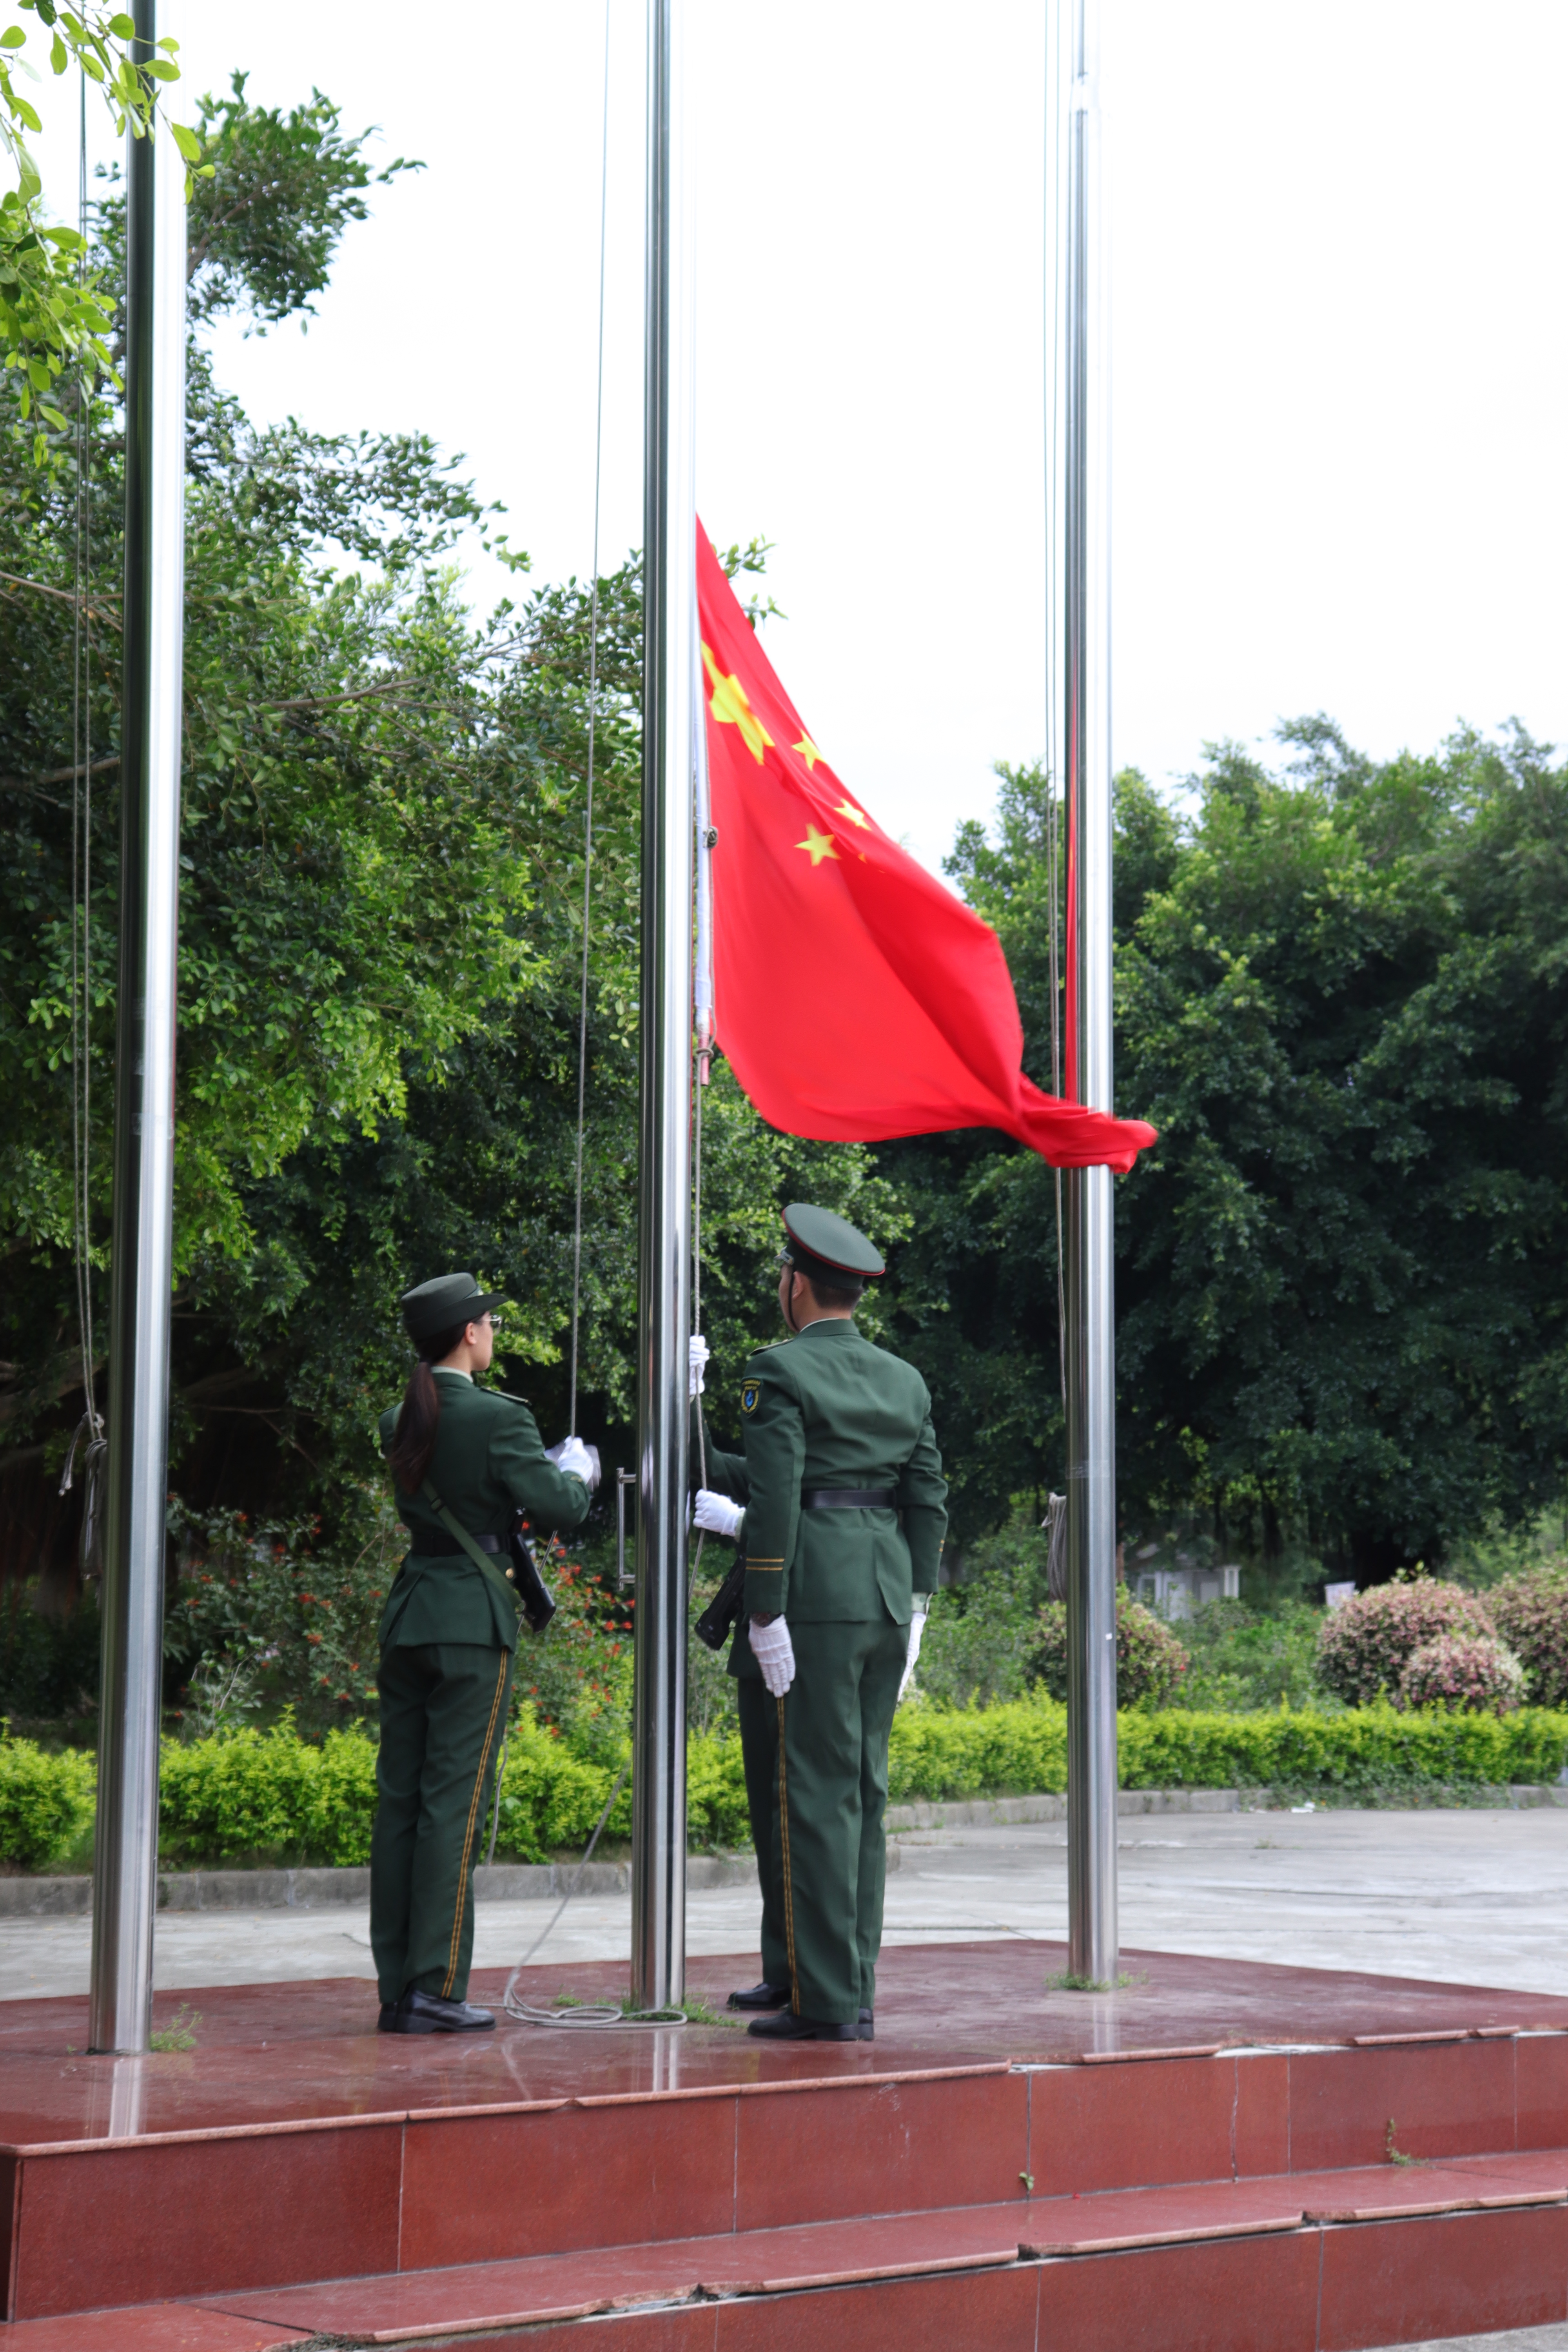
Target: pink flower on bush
(1365, 1646)
(1463, 1670)
(1531, 1615)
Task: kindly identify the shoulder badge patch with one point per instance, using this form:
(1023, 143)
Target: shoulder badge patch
(748, 1395)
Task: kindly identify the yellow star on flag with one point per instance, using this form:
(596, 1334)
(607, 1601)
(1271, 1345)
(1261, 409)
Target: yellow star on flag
(817, 845)
(808, 752)
(847, 808)
(727, 700)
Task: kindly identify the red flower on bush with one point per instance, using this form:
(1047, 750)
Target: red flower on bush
(1151, 1663)
(1530, 1611)
(1365, 1646)
(1463, 1670)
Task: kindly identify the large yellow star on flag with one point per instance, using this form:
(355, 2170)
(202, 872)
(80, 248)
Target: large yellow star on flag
(847, 808)
(817, 845)
(808, 752)
(727, 700)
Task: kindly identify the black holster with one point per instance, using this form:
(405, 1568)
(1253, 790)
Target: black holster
(717, 1621)
(538, 1600)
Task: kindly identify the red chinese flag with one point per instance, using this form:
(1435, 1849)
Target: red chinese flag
(854, 996)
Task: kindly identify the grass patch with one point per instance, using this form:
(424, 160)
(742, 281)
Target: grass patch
(180, 2033)
(1065, 1981)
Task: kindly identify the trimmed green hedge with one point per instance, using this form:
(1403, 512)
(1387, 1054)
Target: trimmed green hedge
(1021, 1747)
(271, 1794)
(267, 1792)
(46, 1801)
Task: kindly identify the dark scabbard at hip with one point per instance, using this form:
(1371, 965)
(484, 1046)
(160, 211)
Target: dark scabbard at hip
(714, 1625)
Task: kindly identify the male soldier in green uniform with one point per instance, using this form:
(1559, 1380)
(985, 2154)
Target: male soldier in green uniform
(844, 1518)
(447, 1634)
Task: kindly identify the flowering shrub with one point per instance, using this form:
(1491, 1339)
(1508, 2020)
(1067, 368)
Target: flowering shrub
(1151, 1664)
(1463, 1670)
(264, 1616)
(1365, 1646)
(1531, 1613)
(578, 1673)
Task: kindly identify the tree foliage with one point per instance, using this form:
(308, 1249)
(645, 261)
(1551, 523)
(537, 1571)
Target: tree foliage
(380, 929)
(1340, 997)
(53, 320)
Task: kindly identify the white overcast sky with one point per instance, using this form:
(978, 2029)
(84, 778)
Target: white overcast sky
(1338, 343)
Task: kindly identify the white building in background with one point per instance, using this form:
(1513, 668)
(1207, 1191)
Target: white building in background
(1177, 1591)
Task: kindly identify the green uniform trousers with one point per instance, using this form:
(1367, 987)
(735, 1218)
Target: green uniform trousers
(443, 1712)
(816, 1797)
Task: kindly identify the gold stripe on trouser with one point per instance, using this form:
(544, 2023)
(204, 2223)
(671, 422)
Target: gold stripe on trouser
(468, 1832)
(788, 1886)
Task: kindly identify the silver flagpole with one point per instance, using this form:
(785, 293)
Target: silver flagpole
(664, 1190)
(1078, 445)
(125, 1859)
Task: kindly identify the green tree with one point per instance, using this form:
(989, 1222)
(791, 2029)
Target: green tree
(381, 895)
(1340, 1285)
(53, 317)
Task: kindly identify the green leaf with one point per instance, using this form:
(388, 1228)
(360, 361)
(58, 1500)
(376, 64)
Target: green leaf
(122, 27)
(13, 37)
(186, 141)
(59, 56)
(60, 422)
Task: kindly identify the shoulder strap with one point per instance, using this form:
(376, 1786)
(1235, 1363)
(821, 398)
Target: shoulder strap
(481, 1560)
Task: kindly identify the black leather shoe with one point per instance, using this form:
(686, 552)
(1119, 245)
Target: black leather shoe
(787, 2027)
(386, 2022)
(760, 1996)
(867, 2025)
(427, 2013)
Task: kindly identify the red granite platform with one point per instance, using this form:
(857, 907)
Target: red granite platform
(1216, 2153)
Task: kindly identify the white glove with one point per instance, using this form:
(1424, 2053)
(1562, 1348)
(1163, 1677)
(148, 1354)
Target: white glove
(916, 1627)
(717, 1513)
(577, 1460)
(697, 1354)
(775, 1652)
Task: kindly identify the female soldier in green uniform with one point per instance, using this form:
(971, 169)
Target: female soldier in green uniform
(447, 1634)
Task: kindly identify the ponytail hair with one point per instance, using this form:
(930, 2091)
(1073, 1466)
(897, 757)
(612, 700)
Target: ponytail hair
(419, 1417)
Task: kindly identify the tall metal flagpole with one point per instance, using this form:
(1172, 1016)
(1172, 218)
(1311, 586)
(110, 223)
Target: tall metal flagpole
(1079, 452)
(125, 1858)
(664, 1190)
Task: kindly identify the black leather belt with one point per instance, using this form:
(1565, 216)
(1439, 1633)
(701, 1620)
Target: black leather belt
(849, 1498)
(486, 1543)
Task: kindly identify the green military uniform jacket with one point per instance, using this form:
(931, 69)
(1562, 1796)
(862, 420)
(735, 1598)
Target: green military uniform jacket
(829, 1408)
(488, 1464)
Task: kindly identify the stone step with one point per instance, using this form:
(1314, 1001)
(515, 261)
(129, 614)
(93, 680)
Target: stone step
(1303, 2260)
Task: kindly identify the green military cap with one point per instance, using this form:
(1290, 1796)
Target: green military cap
(822, 1244)
(442, 1305)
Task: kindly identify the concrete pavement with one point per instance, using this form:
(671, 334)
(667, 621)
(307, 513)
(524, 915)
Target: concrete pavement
(1475, 1896)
